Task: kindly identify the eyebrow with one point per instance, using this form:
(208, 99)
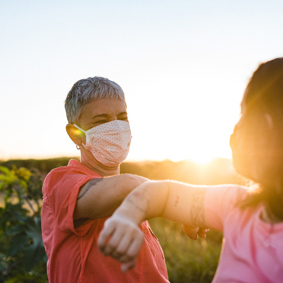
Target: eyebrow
(100, 115)
(106, 115)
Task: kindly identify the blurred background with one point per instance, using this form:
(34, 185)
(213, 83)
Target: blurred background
(183, 66)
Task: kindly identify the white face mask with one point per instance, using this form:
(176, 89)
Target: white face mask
(109, 143)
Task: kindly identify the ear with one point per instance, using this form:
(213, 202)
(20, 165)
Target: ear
(76, 135)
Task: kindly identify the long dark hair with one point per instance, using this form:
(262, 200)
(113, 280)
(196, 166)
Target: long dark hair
(260, 154)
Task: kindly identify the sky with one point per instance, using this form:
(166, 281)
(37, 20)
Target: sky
(183, 66)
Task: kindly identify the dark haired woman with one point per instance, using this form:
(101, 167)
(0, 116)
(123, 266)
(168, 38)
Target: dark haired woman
(251, 219)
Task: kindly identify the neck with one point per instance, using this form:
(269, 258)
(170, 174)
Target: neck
(89, 161)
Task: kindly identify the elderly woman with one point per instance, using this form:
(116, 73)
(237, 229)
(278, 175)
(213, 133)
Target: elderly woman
(79, 197)
(251, 221)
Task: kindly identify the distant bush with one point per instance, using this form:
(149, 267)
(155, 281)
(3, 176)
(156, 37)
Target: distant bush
(218, 171)
(43, 165)
(22, 254)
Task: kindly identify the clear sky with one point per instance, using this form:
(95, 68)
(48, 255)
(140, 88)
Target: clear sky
(182, 64)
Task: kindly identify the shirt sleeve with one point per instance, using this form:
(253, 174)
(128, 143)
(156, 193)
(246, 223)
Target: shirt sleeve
(62, 198)
(219, 201)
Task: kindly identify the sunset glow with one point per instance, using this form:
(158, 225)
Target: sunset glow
(182, 70)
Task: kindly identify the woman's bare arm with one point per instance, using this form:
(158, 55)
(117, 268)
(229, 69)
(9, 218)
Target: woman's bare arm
(168, 199)
(100, 197)
(172, 200)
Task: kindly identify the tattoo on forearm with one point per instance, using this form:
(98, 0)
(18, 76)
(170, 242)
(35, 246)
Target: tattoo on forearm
(88, 186)
(197, 208)
(176, 201)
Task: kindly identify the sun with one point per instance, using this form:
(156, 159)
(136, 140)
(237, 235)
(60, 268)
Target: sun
(202, 159)
(197, 157)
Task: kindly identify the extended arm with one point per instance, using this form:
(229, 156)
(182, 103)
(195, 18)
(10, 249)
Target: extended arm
(168, 199)
(172, 200)
(100, 197)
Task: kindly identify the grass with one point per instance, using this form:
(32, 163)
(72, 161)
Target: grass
(187, 260)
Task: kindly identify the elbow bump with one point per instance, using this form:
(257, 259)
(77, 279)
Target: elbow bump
(132, 180)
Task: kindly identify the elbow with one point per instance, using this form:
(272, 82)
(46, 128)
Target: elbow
(166, 188)
(132, 181)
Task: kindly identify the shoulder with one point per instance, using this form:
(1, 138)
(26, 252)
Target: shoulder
(226, 193)
(73, 173)
(220, 201)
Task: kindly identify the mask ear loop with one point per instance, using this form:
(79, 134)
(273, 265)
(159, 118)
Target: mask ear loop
(78, 128)
(77, 146)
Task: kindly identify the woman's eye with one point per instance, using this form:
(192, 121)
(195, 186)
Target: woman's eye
(100, 122)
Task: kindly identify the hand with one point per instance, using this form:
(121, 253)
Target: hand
(195, 232)
(121, 239)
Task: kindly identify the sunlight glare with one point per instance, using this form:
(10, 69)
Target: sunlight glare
(202, 159)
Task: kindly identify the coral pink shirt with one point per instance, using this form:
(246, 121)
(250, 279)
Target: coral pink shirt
(73, 256)
(252, 250)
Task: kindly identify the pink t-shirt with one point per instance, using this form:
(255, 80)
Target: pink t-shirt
(73, 256)
(252, 250)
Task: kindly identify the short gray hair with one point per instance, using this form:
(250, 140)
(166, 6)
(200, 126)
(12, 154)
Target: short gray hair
(86, 90)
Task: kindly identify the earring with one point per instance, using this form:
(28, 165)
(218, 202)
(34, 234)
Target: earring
(78, 147)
